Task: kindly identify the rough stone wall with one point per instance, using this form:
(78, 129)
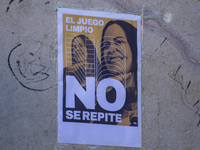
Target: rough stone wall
(170, 72)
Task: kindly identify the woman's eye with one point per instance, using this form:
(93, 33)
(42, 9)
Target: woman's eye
(81, 45)
(118, 42)
(106, 45)
(81, 52)
(74, 46)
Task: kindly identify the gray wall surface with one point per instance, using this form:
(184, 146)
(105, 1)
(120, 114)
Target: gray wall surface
(170, 72)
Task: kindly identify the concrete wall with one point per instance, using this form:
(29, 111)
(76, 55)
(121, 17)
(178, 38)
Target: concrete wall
(170, 72)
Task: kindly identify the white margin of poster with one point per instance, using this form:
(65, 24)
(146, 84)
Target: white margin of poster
(95, 134)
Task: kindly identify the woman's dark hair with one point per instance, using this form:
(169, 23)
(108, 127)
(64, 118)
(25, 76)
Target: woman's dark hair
(88, 44)
(131, 36)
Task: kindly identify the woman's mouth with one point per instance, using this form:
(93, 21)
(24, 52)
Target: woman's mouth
(115, 58)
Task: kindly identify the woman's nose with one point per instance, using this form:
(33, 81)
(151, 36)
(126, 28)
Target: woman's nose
(116, 49)
(113, 47)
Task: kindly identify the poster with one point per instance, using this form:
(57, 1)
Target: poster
(99, 78)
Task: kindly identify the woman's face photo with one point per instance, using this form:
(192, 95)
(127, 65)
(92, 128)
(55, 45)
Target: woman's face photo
(79, 50)
(117, 51)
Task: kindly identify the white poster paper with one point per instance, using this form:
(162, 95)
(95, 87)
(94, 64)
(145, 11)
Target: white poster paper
(99, 78)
